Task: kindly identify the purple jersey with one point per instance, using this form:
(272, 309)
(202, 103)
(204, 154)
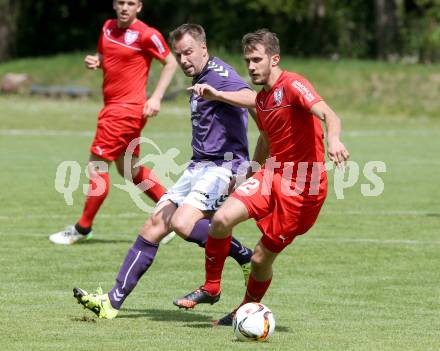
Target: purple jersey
(219, 128)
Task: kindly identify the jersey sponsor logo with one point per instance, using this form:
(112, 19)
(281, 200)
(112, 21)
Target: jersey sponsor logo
(107, 35)
(159, 46)
(303, 90)
(195, 116)
(278, 96)
(194, 106)
(219, 69)
(130, 36)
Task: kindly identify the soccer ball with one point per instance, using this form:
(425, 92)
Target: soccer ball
(253, 322)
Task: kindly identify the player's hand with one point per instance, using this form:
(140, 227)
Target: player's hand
(92, 62)
(337, 152)
(151, 107)
(205, 91)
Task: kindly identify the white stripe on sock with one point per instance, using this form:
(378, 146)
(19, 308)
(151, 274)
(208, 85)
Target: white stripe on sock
(128, 272)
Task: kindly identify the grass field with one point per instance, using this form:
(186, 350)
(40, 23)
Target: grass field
(366, 277)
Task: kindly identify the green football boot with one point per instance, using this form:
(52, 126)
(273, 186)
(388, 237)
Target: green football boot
(246, 269)
(98, 303)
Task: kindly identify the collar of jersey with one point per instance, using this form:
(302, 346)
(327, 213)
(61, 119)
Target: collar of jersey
(202, 73)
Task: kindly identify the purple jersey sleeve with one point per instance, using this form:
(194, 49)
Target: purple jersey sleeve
(223, 77)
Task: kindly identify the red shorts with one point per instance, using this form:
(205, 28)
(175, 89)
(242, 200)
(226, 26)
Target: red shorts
(117, 126)
(280, 216)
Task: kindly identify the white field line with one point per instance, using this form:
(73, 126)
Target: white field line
(45, 133)
(63, 216)
(88, 133)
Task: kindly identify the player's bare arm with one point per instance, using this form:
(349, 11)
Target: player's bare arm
(242, 98)
(335, 149)
(261, 152)
(93, 61)
(152, 106)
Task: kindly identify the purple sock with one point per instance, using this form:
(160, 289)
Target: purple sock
(139, 258)
(239, 252)
(199, 235)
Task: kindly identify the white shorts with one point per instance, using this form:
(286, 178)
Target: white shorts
(205, 187)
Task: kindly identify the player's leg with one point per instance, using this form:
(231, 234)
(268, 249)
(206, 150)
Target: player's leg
(141, 255)
(219, 241)
(145, 179)
(193, 225)
(99, 186)
(141, 176)
(98, 190)
(209, 189)
(137, 261)
(217, 249)
(261, 273)
(259, 280)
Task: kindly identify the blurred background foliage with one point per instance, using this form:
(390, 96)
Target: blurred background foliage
(384, 29)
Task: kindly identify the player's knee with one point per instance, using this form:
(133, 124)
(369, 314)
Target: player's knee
(180, 225)
(257, 261)
(220, 223)
(129, 175)
(153, 230)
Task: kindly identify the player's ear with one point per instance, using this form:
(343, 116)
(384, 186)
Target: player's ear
(204, 47)
(139, 7)
(275, 60)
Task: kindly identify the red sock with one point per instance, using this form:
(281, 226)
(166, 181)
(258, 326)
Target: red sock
(255, 290)
(216, 251)
(98, 190)
(154, 189)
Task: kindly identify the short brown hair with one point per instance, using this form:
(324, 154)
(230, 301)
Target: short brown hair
(264, 37)
(195, 30)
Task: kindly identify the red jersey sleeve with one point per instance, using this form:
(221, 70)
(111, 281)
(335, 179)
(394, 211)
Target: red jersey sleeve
(301, 93)
(154, 44)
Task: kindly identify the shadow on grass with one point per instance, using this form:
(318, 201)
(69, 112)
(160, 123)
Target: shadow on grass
(433, 215)
(86, 319)
(160, 315)
(193, 319)
(104, 241)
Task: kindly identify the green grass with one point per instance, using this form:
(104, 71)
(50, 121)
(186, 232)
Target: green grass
(365, 277)
(357, 88)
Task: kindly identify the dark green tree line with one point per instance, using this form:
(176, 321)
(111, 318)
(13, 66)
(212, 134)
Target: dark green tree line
(338, 28)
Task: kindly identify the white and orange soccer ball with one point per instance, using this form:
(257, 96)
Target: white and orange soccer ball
(253, 322)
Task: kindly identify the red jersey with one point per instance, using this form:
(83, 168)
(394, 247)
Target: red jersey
(294, 134)
(127, 55)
